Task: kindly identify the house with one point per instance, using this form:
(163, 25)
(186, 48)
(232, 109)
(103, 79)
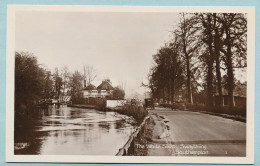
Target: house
(90, 91)
(103, 90)
(239, 98)
(239, 101)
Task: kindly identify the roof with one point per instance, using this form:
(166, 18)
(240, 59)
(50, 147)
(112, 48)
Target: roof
(90, 87)
(105, 85)
(236, 93)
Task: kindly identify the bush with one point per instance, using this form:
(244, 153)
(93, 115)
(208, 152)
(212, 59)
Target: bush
(138, 112)
(196, 107)
(218, 109)
(165, 105)
(100, 103)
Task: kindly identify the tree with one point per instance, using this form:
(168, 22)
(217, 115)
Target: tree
(29, 81)
(166, 77)
(65, 75)
(89, 74)
(118, 93)
(176, 68)
(76, 87)
(206, 21)
(186, 33)
(48, 86)
(160, 73)
(217, 46)
(234, 27)
(57, 83)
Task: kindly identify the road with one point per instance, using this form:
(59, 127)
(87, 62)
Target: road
(193, 133)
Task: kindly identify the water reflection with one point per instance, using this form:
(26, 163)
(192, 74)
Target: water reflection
(72, 131)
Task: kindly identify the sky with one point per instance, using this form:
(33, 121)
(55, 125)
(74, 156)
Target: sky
(118, 45)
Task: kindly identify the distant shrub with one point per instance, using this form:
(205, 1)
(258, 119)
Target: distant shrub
(138, 112)
(236, 111)
(165, 105)
(218, 109)
(100, 103)
(196, 107)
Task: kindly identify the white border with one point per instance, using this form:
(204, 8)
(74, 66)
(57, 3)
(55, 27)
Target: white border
(10, 157)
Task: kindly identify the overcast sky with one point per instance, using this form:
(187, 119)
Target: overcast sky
(118, 45)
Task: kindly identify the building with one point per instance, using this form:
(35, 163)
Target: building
(239, 101)
(239, 98)
(105, 89)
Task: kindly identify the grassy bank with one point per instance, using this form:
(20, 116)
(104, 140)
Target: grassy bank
(144, 139)
(236, 111)
(137, 112)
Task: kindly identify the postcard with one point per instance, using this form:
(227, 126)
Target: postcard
(130, 84)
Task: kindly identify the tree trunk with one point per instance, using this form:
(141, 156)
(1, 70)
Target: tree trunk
(209, 82)
(218, 73)
(189, 81)
(170, 90)
(210, 69)
(173, 91)
(188, 74)
(230, 72)
(163, 95)
(230, 78)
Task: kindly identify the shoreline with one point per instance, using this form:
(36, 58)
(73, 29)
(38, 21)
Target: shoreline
(82, 106)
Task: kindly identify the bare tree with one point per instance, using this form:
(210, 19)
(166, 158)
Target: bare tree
(122, 85)
(186, 31)
(65, 75)
(206, 21)
(89, 73)
(234, 26)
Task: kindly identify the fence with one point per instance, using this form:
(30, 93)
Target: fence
(115, 103)
(129, 147)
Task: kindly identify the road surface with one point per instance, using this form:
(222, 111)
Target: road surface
(195, 134)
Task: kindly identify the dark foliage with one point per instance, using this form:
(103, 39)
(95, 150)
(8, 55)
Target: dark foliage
(29, 82)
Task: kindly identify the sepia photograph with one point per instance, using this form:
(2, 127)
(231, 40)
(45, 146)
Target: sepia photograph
(130, 84)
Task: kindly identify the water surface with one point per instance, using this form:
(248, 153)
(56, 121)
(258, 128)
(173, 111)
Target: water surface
(72, 131)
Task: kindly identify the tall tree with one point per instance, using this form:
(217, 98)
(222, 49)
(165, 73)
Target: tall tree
(176, 67)
(206, 21)
(65, 75)
(217, 46)
(57, 83)
(89, 73)
(186, 32)
(234, 46)
(29, 81)
(166, 76)
(48, 86)
(76, 87)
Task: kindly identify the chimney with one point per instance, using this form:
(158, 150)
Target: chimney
(85, 84)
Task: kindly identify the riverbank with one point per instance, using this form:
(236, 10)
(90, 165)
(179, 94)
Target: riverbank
(152, 139)
(82, 106)
(137, 112)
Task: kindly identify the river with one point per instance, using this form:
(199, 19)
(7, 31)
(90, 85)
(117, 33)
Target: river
(72, 131)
